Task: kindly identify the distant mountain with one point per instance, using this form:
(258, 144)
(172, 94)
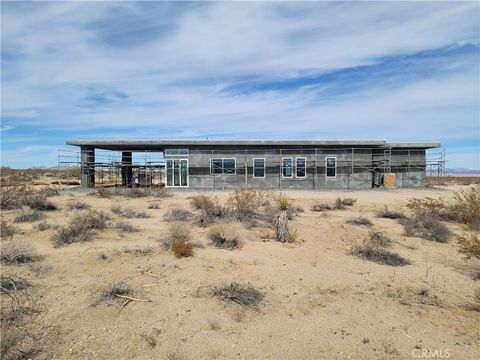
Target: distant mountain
(462, 171)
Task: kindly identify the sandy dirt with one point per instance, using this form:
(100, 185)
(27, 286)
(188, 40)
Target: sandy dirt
(320, 302)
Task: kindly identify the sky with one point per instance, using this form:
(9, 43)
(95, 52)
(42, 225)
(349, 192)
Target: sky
(395, 71)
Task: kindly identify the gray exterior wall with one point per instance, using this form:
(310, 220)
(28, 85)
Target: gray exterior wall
(358, 176)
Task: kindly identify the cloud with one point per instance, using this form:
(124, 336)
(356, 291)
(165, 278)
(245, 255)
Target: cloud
(393, 70)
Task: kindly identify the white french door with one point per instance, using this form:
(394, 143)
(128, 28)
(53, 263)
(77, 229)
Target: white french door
(177, 173)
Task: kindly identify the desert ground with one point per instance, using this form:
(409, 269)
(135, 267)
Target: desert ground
(319, 301)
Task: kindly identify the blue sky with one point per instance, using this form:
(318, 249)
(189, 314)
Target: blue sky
(400, 71)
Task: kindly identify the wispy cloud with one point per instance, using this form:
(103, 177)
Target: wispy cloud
(393, 70)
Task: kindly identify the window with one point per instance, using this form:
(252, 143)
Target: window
(301, 166)
(222, 166)
(287, 167)
(331, 167)
(176, 152)
(258, 168)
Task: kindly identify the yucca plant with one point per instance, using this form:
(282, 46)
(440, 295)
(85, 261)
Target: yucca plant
(283, 202)
(281, 226)
(294, 234)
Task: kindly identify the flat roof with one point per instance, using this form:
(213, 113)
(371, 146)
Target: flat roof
(140, 145)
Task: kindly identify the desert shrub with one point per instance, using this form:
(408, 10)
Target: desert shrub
(390, 214)
(415, 296)
(82, 227)
(224, 236)
(243, 204)
(182, 248)
(114, 291)
(128, 212)
(476, 297)
(469, 244)
(210, 209)
(18, 251)
(102, 192)
(49, 191)
(377, 238)
(27, 215)
(178, 214)
(154, 205)
(376, 254)
(140, 252)
(125, 227)
(321, 206)
(13, 197)
(78, 205)
(467, 205)
(426, 205)
(340, 203)
(360, 220)
(39, 202)
(7, 230)
(103, 256)
(178, 231)
(243, 294)
(13, 283)
(427, 227)
(43, 225)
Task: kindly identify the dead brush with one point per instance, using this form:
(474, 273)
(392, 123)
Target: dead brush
(243, 294)
(224, 236)
(10, 283)
(126, 227)
(415, 296)
(7, 230)
(114, 292)
(427, 227)
(128, 212)
(28, 215)
(321, 206)
(182, 248)
(377, 254)
(178, 214)
(377, 238)
(18, 251)
(154, 205)
(243, 204)
(360, 220)
(78, 205)
(210, 209)
(82, 227)
(340, 203)
(13, 197)
(390, 214)
(39, 202)
(176, 231)
(467, 205)
(469, 244)
(43, 225)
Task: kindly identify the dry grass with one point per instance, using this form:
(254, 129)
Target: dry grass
(427, 227)
(321, 206)
(469, 244)
(28, 215)
(7, 230)
(415, 296)
(154, 205)
(372, 251)
(178, 231)
(390, 214)
(243, 294)
(360, 220)
(178, 214)
(182, 248)
(10, 283)
(78, 205)
(82, 227)
(243, 204)
(128, 212)
(18, 251)
(224, 236)
(111, 292)
(377, 238)
(125, 227)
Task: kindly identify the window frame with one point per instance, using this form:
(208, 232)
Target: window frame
(186, 150)
(283, 167)
(223, 166)
(264, 169)
(326, 167)
(304, 167)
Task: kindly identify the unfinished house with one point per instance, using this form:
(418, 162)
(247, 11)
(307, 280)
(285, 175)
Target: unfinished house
(292, 164)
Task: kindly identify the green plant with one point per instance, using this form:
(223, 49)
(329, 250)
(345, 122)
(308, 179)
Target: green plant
(294, 234)
(283, 202)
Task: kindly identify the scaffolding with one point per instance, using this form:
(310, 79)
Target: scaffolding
(355, 166)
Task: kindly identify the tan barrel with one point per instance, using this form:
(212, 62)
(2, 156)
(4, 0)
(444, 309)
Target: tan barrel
(389, 181)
